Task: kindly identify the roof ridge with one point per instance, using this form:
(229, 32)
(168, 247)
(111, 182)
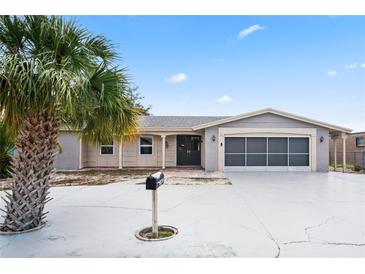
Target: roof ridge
(272, 111)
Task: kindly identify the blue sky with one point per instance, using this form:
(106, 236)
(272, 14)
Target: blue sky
(227, 65)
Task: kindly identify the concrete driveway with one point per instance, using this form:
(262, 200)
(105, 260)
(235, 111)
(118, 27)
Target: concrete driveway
(260, 215)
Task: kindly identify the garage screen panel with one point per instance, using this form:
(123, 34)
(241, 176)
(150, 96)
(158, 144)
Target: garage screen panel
(298, 145)
(278, 151)
(298, 160)
(256, 159)
(235, 144)
(256, 151)
(298, 151)
(278, 160)
(234, 160)
(234, 151)
(278, 145)
(256, 145)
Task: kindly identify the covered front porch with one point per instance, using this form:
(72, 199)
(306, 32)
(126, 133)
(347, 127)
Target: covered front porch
(339, 139)
(151, 149)
(174, 149)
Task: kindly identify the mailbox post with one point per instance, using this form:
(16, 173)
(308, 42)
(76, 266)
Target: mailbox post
(156, 232)
(154, 214)
(153, 182)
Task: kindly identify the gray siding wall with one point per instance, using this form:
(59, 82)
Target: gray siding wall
(84, 154)
(132, 158)
(68, 159)
(211, 149)
(170, 151)
(323, 149)
(94, 159)
(202, 149)
(265, 121)
(268, 120)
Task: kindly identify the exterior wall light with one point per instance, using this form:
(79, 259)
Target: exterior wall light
(321, 139)
(213, 138)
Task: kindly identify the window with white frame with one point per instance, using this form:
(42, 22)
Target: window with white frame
(146, 145)
(107, 149)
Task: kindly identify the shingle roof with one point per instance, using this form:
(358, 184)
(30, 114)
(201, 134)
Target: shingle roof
(176, 121)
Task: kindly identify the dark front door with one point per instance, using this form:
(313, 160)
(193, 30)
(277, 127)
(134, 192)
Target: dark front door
(188, 150)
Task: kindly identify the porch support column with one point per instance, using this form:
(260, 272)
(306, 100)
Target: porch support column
(120, 162)
(335, 152)
(344, 136)
(80, 153)
(163, 137)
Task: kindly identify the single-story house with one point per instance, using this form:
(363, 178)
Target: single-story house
(263, 140)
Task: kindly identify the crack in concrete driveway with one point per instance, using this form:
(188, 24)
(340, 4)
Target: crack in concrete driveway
(268, 233)
(317, 240)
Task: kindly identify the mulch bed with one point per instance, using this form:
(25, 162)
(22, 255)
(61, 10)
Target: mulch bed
(103, 177)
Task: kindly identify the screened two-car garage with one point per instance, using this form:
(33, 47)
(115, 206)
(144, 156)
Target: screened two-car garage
(266, 153)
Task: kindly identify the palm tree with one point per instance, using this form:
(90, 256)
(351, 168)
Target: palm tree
(53, 74)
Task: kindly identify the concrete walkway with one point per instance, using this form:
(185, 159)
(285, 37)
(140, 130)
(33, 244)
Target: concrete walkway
(260, 215)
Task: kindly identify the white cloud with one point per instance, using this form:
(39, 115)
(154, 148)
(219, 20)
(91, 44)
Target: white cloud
(350, 66)
(347, 98)
(218, 59)
(224, 99)
(249, 30)
(332, 73)
(177, 78)
(362, 65)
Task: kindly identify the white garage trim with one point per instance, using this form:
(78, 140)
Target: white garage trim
(311, 133)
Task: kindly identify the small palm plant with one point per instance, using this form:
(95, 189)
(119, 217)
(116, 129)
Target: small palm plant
(53, 74)
(6, 149)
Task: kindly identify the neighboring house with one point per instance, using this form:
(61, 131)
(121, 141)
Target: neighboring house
(354, 149)
(267, 139)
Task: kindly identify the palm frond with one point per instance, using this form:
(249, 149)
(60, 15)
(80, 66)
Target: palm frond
(48, 62)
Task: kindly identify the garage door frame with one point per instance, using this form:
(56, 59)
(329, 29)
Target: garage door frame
(311, 133)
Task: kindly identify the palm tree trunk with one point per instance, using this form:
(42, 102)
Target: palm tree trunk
(33, 167)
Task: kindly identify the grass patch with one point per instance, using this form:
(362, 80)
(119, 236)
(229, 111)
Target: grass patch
(163, 233)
